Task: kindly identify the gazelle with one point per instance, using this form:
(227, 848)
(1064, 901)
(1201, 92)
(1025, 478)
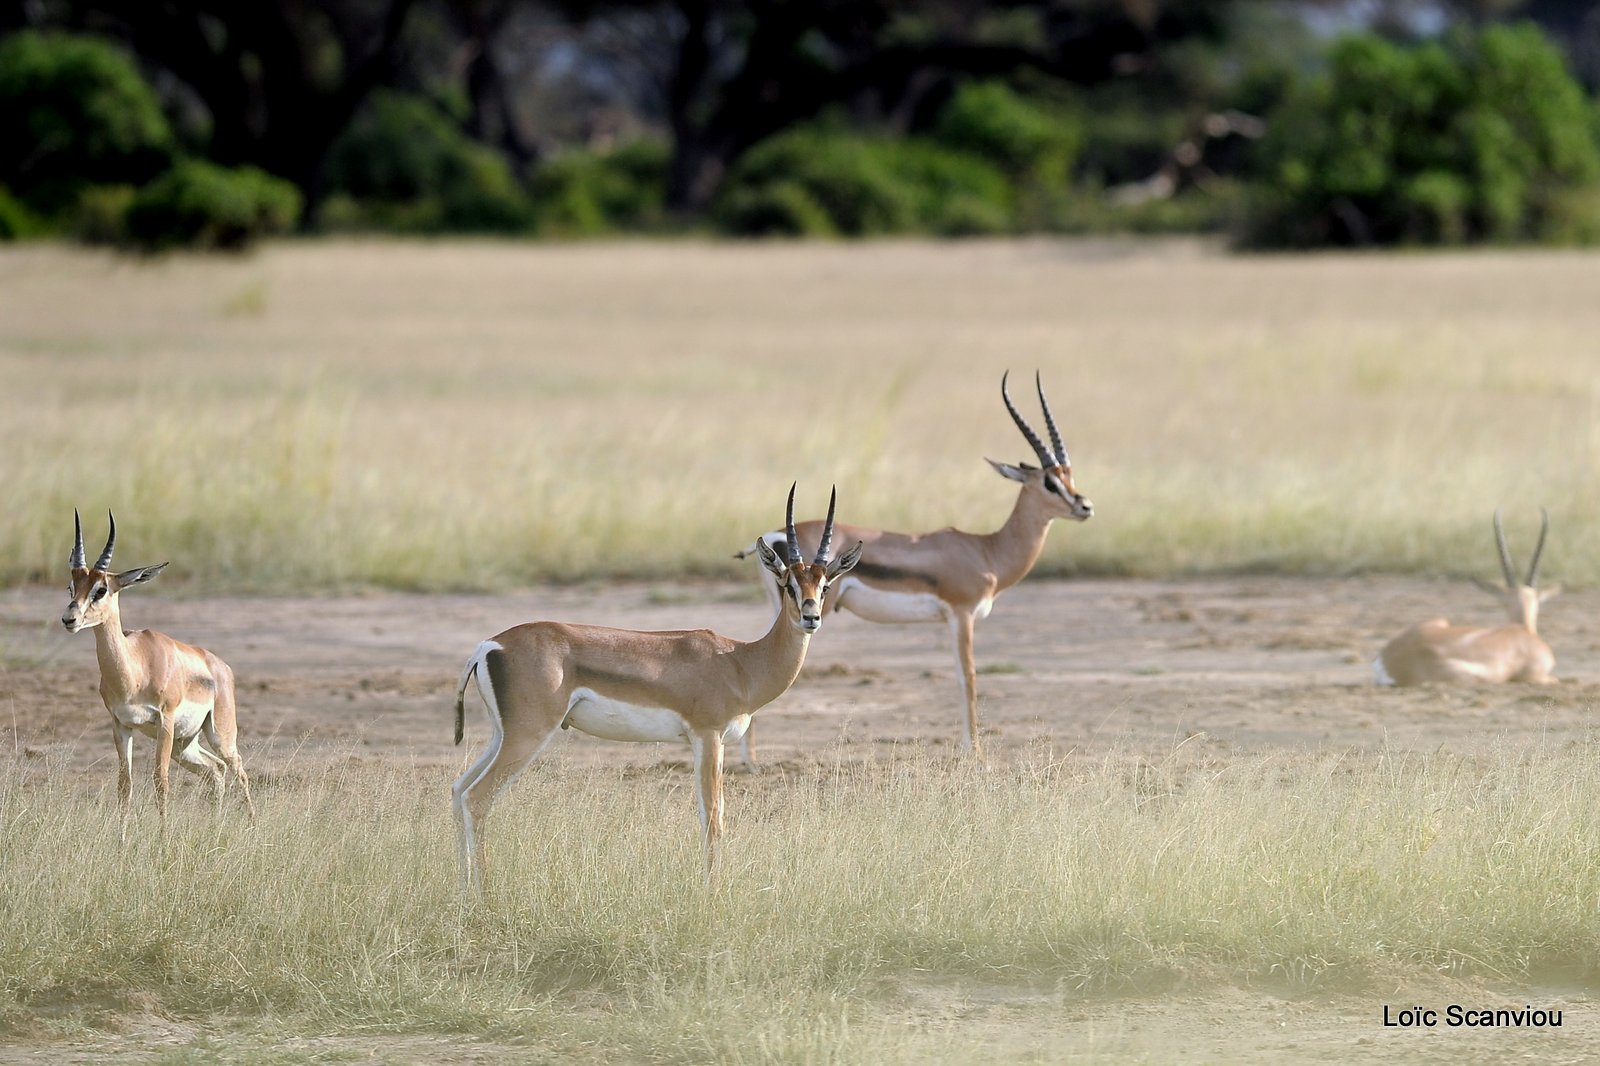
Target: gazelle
(951, 576)
(1435, 650)
(153, 684)
(622, 684)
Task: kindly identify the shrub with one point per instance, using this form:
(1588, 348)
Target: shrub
(404, 164)
(16, 221)
(865, 186)
(591, 192)
(989, 120)
(201, 205)
(101, 214)
(1477, 137)
(74, 111)
(782, 208)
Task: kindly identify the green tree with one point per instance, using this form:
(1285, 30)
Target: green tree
(74, 112)
(1473, 137)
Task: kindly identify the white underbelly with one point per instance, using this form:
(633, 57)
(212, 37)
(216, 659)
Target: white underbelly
(144, 716)
(880, 605)
(609, 719)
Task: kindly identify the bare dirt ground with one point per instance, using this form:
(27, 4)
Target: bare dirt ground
(1095, 669)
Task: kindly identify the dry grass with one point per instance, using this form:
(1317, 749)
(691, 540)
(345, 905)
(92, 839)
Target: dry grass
(845, 896)
(453, 415)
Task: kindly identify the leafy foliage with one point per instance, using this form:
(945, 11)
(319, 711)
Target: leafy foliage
(1475, 137)
(990, 120)
(586, 193)
(404, 164)
(16, 221)
(863, 186)
(74, 111)
(201, 205)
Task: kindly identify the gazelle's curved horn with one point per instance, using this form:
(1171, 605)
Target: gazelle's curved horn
(76, 559)
(1506, 568)
(111, 544)
(827, 528)
(1045, 458)
(1538, 550)
(788, 528)
(1050, 423)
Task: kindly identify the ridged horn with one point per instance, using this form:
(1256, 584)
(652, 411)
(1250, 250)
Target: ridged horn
(827, 528)
(1050, 423)
(111, 544)
(76, 559)
(1505, 553)
(1538, 550)
(1033, 438)
(788, 528)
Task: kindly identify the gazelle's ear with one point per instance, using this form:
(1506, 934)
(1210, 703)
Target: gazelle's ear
(1015, 473)
(136, 575)
(769, 558)
(844, 562)
(1550, 592)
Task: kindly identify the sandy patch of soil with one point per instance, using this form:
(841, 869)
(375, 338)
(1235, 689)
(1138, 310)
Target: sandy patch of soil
(1090, 669)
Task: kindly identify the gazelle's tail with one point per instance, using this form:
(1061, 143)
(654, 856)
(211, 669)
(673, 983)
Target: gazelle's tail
(461, 689)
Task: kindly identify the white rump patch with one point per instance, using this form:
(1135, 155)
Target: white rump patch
(1380, 674)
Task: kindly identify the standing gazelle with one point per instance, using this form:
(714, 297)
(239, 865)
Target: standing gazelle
(622, 684)
(1436, 651)
(951, 576)
(151, 683)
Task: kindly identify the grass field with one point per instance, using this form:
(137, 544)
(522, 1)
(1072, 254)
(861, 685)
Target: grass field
(323, 420)
(328, 415)
(830, 934)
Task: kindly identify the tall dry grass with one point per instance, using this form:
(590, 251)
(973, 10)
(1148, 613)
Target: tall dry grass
(459, 415)
(845, 895)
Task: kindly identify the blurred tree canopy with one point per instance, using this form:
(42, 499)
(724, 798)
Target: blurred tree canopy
(802, 116)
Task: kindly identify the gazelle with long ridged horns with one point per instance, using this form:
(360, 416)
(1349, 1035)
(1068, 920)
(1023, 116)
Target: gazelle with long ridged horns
(952, 576)
(1436, 651)
(152, 684)
(622, 684)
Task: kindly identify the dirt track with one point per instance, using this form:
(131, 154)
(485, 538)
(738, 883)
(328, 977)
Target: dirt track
(1089, 667)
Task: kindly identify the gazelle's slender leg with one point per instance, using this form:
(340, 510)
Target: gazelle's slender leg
(708, 757)
(961, 628)
(123, 738)
(222, 730)
(507, 754)
(194, 757)
(164, 739)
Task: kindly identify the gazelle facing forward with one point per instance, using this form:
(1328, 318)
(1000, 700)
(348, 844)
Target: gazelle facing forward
(622, 684)
(951, 576)
(153, 684)
(1436, 651)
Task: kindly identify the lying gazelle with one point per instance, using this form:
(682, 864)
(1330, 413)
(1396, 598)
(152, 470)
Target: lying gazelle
(1435, 650)
(160, 687)
(950, 576)
(621, 684)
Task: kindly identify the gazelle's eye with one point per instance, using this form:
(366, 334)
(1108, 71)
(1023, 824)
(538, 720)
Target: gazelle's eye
(98, 592)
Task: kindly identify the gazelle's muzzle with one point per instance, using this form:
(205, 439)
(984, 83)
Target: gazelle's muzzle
(1082, 508)
(810, 615)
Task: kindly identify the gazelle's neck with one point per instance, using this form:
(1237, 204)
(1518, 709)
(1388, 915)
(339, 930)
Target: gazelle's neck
(111, 648)
(1524, 609)
(1014, 547)
(771, 662)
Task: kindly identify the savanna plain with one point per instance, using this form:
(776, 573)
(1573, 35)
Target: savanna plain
(1199, 833)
